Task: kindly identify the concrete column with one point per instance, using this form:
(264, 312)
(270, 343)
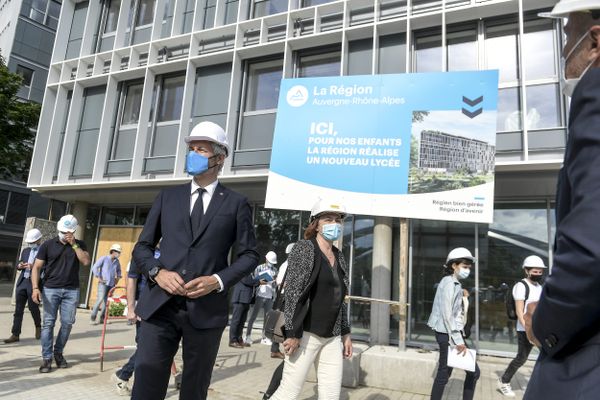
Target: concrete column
(381, 287)
(79, 211)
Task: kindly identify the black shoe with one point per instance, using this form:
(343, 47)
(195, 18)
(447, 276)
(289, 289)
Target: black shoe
(60, 360)
(11, 339)
(38, 332)
(46, 366)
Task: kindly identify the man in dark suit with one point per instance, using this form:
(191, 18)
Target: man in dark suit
(23, 290)
(243, 295)
(198, 222)
(566, 322)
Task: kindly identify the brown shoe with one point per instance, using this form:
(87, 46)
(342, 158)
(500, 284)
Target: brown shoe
(277, 354)
(237, 345)
(244, 344)
(38, 332)
(11, 339)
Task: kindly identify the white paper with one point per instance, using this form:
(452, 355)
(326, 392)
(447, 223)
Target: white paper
(462, 361)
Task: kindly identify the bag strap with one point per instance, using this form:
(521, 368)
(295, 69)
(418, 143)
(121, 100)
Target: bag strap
(526, 288)
(278, 298)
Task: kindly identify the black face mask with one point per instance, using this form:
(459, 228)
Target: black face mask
(536, 278)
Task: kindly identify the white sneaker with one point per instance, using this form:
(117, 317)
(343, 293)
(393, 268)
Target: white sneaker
(505, 389)
(266, 341)
(121, 385)
(248, 339)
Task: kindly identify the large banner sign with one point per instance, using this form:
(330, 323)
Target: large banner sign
(409, 145)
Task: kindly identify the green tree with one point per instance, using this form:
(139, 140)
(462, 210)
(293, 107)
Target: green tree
(18, 121)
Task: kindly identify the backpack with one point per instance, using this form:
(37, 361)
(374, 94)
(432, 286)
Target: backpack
(510, 301)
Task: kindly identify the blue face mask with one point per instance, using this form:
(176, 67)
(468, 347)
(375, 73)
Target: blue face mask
(331, 232)
(197, 164)
(464, 273)
(34, 246)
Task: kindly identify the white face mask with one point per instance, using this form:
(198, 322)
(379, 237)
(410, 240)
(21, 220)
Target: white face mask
(464, 273)
(61, 236)
(569, 84)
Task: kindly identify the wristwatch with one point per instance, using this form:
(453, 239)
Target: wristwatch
(153, 272)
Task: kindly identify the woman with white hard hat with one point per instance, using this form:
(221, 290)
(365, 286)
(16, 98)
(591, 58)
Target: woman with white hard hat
(448, 318)
(317, 330)
(524, 292)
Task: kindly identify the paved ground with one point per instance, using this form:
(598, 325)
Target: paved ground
(238, 374)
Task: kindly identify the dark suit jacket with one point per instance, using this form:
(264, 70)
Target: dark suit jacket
(568, 314)
(24, 258)
(245, 290)
(228, 220)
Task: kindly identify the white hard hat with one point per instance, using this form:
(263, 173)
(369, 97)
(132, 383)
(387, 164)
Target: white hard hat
(33, 235)
(271, 257)
(67, 223)
(533, 262)
(327, 205)
(459, 253)
(211, 132)
(563, 8)
(115, 247)
(289, 248)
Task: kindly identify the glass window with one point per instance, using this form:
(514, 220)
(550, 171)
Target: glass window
(231, 9)
(392, 54)
(58, 209)
(167, 21)
(209, 13)
(360, 57)
(431, 242)
(117, 216)
(133, 103)
(112, 16)
(76, 34)
(539, 49)
(509, 110)
(543, 108)
(310, 3)
(141, 213)
(211, 94)
(462, 50)
(323, 64)
(17, 208)
(169, 108)
(501, 51)
(54, 9)
(428, 54)
(360, 228)
(87, 138)
(188, 16)
(264, 79)
(519, 230)
(268, 7)
(145, 12)
(275, 229)
(26, 74)
(38, 10)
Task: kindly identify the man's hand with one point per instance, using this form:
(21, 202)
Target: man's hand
(528, 317)
(290, 345)
(201, 286)
(70, 238)
(347, 342)
(171, 282)
(131, 315)
(461, 349)
(263, 282)
(36, 296)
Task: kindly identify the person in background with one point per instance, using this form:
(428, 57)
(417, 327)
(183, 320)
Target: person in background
(275, 349)
(566, 322)
(62, 257)
(533, 267)
(23, 289)
(244, 294)
(265, 274)
(447, 319)
(108, 271)
(317, 330)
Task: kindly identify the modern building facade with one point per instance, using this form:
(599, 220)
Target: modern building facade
(445, 152)
(27, 30)
(129, 78)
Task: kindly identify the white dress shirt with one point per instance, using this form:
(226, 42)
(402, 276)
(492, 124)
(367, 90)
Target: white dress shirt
(207, 195)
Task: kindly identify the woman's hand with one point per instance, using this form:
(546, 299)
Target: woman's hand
(461, 349)
(347, 342)
(290, 345)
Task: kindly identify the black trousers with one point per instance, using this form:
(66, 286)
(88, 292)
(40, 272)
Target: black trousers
(444, 372)
(158, 343)
(22, 297)
(522, 353)
(275, 381)
(238, 317)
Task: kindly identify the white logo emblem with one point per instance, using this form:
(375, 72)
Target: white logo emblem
(297, 96)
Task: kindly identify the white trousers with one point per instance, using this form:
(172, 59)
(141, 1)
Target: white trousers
(327, 356)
